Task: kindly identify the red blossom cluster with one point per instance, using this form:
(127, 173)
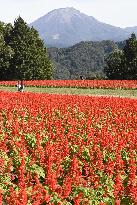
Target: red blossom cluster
(64, 149)
(106, 84)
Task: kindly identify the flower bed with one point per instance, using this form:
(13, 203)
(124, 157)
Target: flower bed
(67, 150)
(105, 84)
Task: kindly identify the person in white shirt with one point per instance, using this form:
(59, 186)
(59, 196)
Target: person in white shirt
(21, 86)
(18, 86)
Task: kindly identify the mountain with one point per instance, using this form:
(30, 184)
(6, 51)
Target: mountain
(131, 29)
(84, 58)
(67, 26)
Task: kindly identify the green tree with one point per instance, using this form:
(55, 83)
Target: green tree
(39, 65)
(30, 60)
(6, 54)
(130, 53)
(122, 64)
(115, 68)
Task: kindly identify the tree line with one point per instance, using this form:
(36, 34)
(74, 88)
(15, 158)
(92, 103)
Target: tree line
(23, 54)
(121, 64)
(96, 60)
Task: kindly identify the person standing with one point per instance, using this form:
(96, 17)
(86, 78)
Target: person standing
(21, 86)
(81, 77)
(18, 86)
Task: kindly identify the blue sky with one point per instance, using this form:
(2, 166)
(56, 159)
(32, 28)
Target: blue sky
(120, 13)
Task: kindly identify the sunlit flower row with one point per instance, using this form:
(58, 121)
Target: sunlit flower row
(112, 84)
(67, 150)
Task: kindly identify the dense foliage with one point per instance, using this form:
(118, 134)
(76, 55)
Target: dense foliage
(22, 53)
(6, 52)
(67, 150)
(83, 59)
(122, 64)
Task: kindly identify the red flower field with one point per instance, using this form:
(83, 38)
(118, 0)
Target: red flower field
(112, 84)
(67, 150)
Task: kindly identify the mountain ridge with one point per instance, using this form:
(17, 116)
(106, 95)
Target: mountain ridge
(65, 27)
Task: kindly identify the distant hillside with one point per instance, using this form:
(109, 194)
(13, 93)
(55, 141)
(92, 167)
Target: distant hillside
(84, 58)
(121, 44)
(67, 26)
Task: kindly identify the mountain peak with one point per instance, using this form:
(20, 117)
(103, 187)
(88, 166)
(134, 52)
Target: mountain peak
(64, 15)
(68, 26)
(66, 9)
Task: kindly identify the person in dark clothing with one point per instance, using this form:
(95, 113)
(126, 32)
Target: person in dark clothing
(21, 86)
(18, 86)
(81, 77)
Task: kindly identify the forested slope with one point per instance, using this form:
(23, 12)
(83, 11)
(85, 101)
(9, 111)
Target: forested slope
(85, 58)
